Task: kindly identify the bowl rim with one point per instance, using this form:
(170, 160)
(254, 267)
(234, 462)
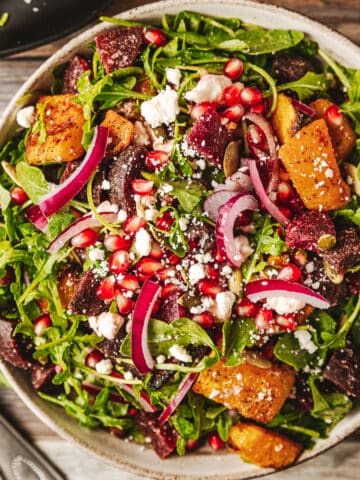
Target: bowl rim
(7, 117)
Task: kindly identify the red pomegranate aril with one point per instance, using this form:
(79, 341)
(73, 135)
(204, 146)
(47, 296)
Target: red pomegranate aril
(290, 272)
(199, 109)
(268, 351)
(287, 212)
(114, 242)
(128, 282)
(173, 259)
(333, 115)
(219, 257)
(231, 94)
(211, 272)
(156, 251)
(300, 257)
(286, 322)
(234, 113)
(156, 159)
(215, 442)
(259, 108)
(125, 304)
(168, 289)
(155, 36)
(164, 222)
(106, 289)
(233, 68)
(204, 319)
(41, 323)
(244, 218)
(250, 96)
(132, 412)
(57, 368)
(84, 239)
(264, 318)
(210, 288)
(119, 261)
(140, 186)
(93, 358)
(18, 196)
(147, 266)
(246, 308)
(192, 444)
(133, 224)
(166, 273)
(284, 192)
(155, 307)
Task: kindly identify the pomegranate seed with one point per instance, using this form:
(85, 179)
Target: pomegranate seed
(156, 251)
(300, 257)
(142, 187)
(133, 224)
(128, 282)
(215, 441)
(85, 238)
(234, 113)
(192, 444)
(210, 288)
(246, 308)
(268, 351)
(285, 211)
(284, 192)
(211, 272)
(204, 319)
(147, 266)
(132, 412)
(114, 242)
(286, 322)
(155, 307)
(164, 222)
(125, 304)
(233, 68)
(333, 115)
(155, 36)
(168, 289)
(259, 108)
(231, 94)
(290, 272)
(166, 273)
(173, 259)
(119, 261)
(8, 278)
(250, 96)
(93, 358)
(41, 323)
(58, 369)
(284, 176)
(106, 289)
(219, 257)
(280, 232)
(198, 110)
(264, 318)
(18, 196)
(156, 159)
(244, 218)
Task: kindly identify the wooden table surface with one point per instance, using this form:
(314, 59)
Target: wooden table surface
(343, 461)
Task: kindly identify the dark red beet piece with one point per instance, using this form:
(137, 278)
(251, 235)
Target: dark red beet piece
(11, 349)
(162, 437)
(318, 280)
(41, 377)
(353, 282)
(209, 138)
(119, 48)
(85, 301)
(310, 231)
(75, 69)
(170, 310)
(346, 253)
(343, 370)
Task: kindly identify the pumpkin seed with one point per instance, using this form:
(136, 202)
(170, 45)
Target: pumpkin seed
(231, 158)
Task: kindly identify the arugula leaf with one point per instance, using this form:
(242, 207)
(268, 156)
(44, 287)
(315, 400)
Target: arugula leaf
(58, 222)
(237, 335)
(33, 181)
(5, 198)
(329, 407)
(307, 85)
(259, 41)
(288, 350)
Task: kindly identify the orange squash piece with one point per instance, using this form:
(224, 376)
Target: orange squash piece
(285, 120)
(121, 131)
(310, 161)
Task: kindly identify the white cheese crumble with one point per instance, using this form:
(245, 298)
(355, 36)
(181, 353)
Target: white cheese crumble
(162, 108)
(143, 242)
(106, 324)
(284, 305)
(96, 254)
(224, 302)
(160, 359)
(173, 76)
(25, 117)
(196, 273)
(104, 367)
(121, 216)
(209, 89)
(305, 341)
(105, 185)
(180, 353)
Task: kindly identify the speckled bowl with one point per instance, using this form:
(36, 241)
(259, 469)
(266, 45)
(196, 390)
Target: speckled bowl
(202, 465)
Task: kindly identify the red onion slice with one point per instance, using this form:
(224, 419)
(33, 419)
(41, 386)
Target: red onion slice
(95, 390)
(260, 289)
(215, 201)
(66, 191)
(140, 351)
(143, 399)
(228, 214)
(239, 182)
(260, 190)
(303, 108)
(184, 387)
(87, 221)
(37, 218)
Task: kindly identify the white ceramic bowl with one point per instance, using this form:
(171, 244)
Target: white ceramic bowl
(202, 465)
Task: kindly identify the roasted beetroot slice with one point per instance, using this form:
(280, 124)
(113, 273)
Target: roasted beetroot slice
(85, 301)
(311, 230)
(346, 253)
(41, 377)
(119, 48)
(162, 437)
(170, 309)
(127, 166)
(11, 349)
(111, 348)
(209, 138)
(343, 370)
(318, 280)
(353, 282)
(75, 69)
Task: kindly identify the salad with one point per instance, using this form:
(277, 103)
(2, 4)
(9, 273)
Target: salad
(180, 241)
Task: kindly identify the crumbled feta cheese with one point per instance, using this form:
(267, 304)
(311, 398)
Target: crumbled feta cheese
(183, 223)
(224, 302)
(162, 108)
(159, 144)
(106, 324)
(180, 353)
(209, 89)
(150, 214)
(173, 76)
(96, 253)
(104, 367)
(284, 305)
(166, 188)
(128, 375)
(242, 243)
(121, 216)
(105, 185)
(305, 341)
(201, 164)
(196, 273)
(25, 117)
(143, 242)
(160, 359)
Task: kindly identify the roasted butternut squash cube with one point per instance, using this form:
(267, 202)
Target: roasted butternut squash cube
(121, 131)
(286, 119)
(257, 393)
(263, 447)
(58, 138)
(342, 135)
(310, 161)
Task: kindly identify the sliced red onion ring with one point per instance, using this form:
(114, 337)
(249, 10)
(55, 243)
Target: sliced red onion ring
(37, 218)
(303, 108)
(95, 390)
(140, 351)
(184, 387)
(143, 399)
(87, 221)
(66, 191)
(228, 214)
(239, 182)
(217, 200)
(260, 289)
(260, 190)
